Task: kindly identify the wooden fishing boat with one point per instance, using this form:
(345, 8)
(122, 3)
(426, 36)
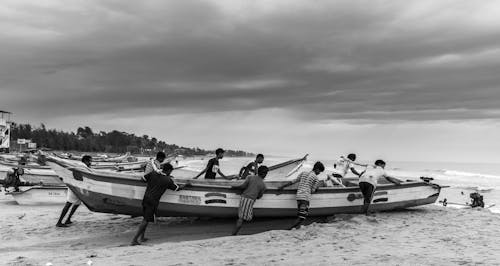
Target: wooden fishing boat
(122, 194)
(40, 195)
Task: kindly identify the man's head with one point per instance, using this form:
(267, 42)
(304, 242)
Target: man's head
(318, 168)
(167, 168)
(160, 156)
(351, 156)
(262, 171)
(380, 163)
(219, 153)
(87, 160)
(259, 158)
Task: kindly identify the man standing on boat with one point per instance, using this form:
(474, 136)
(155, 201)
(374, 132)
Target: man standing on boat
(155, 164)
(308, 184)
(342, 167)
(254, 188)
(72, 199)
(212, 168)
(157, 185)
(368, 182)
(251, 168)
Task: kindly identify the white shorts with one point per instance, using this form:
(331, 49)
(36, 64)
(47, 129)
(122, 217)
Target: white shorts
(71, 198)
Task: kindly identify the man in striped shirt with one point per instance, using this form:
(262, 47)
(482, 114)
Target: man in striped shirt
(155, 165)
(308, 184)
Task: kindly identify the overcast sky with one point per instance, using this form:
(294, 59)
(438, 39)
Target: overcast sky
(400, 80)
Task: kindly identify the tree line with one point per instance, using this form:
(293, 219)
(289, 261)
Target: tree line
(86, 140)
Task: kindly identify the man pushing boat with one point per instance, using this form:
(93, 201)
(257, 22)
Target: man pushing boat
(308, 184)
(158, 183)
(368, 182)
(254, 188)
(72, 199)
(342, 167)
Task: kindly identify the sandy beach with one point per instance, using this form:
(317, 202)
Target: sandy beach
(429, 235)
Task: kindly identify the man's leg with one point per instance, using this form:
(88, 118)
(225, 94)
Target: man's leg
(303, 208)
(75, 206)
(140, 231)
(367, 189)
(63, 213)
(237, 228)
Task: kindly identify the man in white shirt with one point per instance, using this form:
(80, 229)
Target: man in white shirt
(342, 167)
(72, 199)
(368, 181)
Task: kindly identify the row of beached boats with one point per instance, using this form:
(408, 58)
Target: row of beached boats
(111, 191)
(41, 185)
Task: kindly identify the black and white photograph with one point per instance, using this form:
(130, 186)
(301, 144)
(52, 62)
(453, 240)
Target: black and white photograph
(249, 132)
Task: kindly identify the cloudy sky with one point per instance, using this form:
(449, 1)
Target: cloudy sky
(400, 80)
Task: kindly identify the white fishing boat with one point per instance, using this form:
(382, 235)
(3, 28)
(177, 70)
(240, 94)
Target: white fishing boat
(32, 175)
(122, 193)
(40, 195)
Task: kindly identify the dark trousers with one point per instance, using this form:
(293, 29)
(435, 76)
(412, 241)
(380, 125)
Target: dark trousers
(367, 191)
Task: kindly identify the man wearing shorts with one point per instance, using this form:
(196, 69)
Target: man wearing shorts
(72, 199)
(368, 182)
(308, 184)
(157, 185)
(253, 189)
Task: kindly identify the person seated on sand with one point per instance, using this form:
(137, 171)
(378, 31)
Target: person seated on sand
(368, 182)
(342, 167)
(251, 168)
(157, 184)
(308, 184)
(72, 199)
(212, 168)
(13, 178)
(253, 189)
(476, 200)
(155, 164)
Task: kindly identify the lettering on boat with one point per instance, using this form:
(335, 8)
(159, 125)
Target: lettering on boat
(215, 194)
(54, 194)
(210, 201)
(380, 200)
(193, 200)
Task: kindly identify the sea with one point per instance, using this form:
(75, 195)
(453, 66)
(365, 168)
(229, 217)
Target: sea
(458, 179)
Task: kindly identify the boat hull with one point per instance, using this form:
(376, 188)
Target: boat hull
(172, 204)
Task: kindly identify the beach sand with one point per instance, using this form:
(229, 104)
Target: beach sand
(429, 235)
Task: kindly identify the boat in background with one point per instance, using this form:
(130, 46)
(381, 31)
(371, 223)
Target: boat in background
(127, 157)
(120, 193)
(40, 195)
(32, 175)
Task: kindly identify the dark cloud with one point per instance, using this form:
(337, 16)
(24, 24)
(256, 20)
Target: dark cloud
(339, 60)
